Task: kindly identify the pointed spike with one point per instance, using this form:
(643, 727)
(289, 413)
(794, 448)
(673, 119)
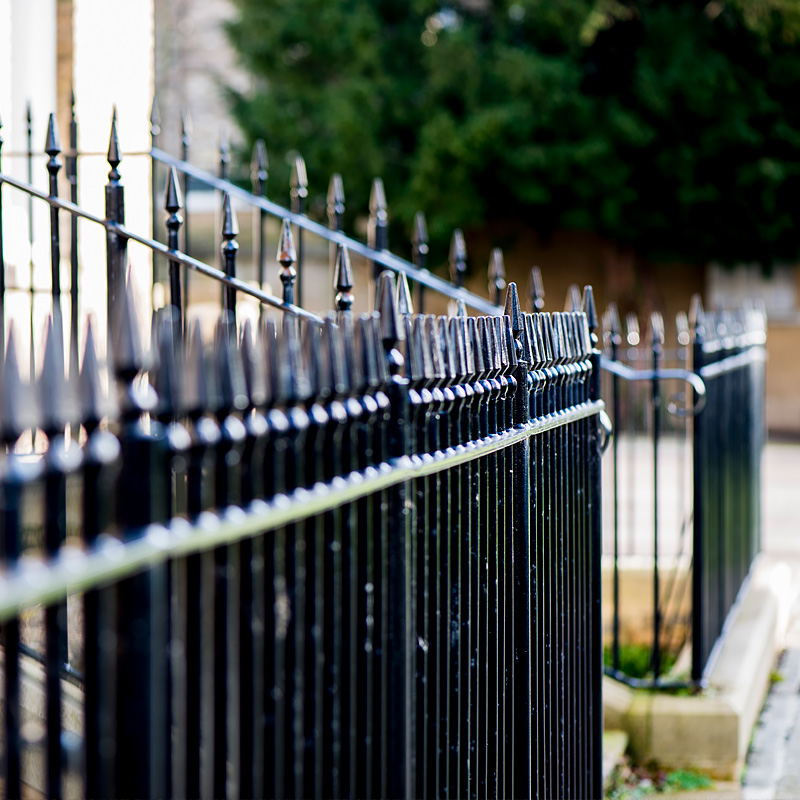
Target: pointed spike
(332, 347)
(434, 346)
(230, 371)
(128, 352)
(259, 168)
(613, 319)
(173, 201)
(18, 408)
(96, 403)
(56, 401)
(114, 155)
(497, 275)
(405, 305)
(335, 195)
(366, 351)
(224, 143)
(458, 257)
(254, 366)
(412, 355)
(186, 127)
(656, 332)
(476, 344)
(155, 118)
(424, 348)
(390, 328)
(419, 240)
(512, 307)
(497, 342)
(230, 224)
(299, 177)
(573, 301)
(696, 312)
(317, 367)
(167, 375)
(377, 197)
(287, 255)
(355, 372)
(293, 364)
(343, 279)
(461, 308)
(269, 341)
(536, 289)
(457, 348)
(589, 308)
(53, 141)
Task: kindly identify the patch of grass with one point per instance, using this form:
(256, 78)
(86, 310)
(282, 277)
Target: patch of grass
(635, 660)
(633, 782)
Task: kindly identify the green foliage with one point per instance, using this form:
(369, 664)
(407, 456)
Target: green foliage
(670, 126)
(635, 660)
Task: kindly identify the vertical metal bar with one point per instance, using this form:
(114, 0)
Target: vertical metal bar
(699, 610)
(53, 148)
(299, 197)
(521, 559)
(29, 162)
(595, 655)
(258, 178)
(419, 254)
(173, 205)
(656, 344)
(116, 246)
(155, 131)
(186, 141)
(378, 225)
(100, 467)
(72, 177)
(230, 230)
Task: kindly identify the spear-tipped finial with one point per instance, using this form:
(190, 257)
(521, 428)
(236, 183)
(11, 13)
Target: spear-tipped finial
(391, 329)
(589, 308)
(573, 301)
(512, 308)
(224, 152)
(128, 352)
(196, 393)
(18, 409)
(697, 317)
(335, 202)
(656, 329)
(53, 140)
(536, 289)
(186, 128)
(255, 373)
(497, 275)
(614, 326)
(419, 241)
(378, 226)
(155, 118)
(166, 375)
(173, 201)
(56, 401)
(287, 256)
(343, 279)
(259, 168)
(299, 185)
(405, 305)
(114, 155)
(230, 371)
(96, 404)
(230, 224)
(461, 308)
(458, 258)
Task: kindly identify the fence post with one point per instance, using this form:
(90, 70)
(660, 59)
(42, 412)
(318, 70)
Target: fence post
(699, 645)
(595, 552)
(142, 710)
(521, 705)
(400, 709)
(116, 246)
(173, 205)
(230, 230)
(53, 148)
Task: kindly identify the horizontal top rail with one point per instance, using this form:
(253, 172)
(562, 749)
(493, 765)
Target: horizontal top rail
(382, 257)
(34, 580)
(174, 255)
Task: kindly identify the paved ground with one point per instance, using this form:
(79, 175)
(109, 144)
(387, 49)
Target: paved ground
(773, 764)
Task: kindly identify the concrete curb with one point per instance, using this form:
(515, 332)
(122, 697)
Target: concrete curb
(710, 732)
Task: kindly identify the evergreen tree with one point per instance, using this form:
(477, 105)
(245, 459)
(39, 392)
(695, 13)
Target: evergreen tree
(668, 126)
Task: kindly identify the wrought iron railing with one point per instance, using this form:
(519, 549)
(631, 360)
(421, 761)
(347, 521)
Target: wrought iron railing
(342, 555)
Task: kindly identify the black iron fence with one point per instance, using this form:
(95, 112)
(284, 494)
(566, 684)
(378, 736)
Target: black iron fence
(351, 555)
(683, 484)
